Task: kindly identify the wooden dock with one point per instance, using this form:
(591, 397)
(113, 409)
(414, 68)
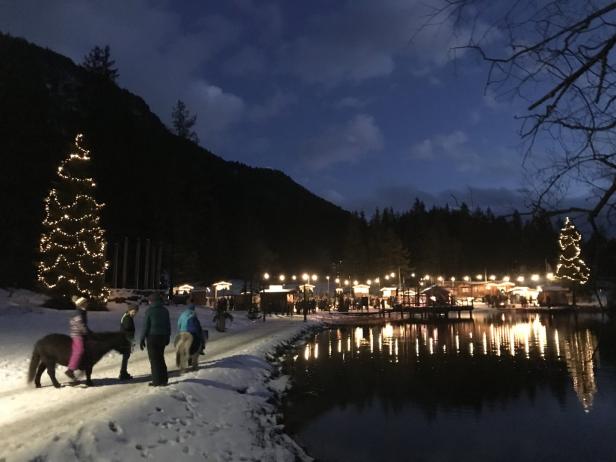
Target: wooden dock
(399, 314)
(431, 311)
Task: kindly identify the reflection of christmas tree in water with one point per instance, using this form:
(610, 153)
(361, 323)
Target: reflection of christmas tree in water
(579, 351)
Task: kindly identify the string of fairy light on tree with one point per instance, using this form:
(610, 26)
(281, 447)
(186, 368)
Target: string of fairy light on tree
(72, 245)
(571, 266)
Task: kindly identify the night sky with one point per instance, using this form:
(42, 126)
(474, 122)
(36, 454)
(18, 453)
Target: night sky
(333, 93)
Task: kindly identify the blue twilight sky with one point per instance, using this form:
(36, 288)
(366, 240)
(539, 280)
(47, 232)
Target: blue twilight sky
(333, 93)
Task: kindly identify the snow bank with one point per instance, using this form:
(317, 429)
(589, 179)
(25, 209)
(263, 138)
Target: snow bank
(224, 411)
(21, 297)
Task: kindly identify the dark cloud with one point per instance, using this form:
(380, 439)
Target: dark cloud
(323, 88)
(457, 148)
(274, 106)
(355, 139)
(366, 39)
(247, 61)
(157, 54)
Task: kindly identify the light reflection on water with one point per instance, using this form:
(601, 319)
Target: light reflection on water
(432, 375)
(528, 338)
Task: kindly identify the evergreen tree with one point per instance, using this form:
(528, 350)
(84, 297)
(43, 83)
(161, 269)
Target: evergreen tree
(72, 246)
(183, 122)
(98, 61)
(571, 267)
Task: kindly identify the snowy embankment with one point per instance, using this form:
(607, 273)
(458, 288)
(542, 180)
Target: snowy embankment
(223, 411)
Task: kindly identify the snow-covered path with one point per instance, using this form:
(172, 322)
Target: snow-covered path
(220, 412)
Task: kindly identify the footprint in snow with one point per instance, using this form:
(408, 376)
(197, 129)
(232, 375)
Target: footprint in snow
(115, 427)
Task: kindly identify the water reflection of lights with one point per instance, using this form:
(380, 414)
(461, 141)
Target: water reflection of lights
(579, 356)
(371, 342)
(527, 339)
(358, 337)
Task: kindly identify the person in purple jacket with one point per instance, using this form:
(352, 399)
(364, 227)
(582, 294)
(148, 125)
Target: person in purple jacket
(78, 331)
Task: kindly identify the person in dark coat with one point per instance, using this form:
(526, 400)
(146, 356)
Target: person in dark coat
(156, 333)
(127, 326)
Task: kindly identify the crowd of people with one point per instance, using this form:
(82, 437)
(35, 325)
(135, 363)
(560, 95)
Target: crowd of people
(155, 336)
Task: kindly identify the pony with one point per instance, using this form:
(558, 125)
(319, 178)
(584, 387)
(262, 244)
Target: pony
(187, 353)
(56, 349)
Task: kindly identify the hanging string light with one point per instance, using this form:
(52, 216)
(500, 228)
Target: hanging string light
(72, 245)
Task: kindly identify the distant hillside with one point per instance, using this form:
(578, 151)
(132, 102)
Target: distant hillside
(215, 218)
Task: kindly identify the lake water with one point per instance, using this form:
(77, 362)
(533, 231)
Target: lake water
(499, 387)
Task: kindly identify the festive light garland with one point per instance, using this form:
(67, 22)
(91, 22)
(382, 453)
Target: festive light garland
(73, 247)
(570, 265)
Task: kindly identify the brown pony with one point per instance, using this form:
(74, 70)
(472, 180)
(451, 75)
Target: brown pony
(56, 349)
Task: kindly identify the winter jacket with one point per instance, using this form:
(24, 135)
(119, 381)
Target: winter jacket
(157, 322)
(194, 326)
(185, 321)
(127, 325)
(79, 324)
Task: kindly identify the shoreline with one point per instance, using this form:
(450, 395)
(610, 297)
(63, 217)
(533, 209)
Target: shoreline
(227, 410)
(335, 319)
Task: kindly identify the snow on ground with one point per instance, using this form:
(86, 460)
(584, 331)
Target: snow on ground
(224, 411)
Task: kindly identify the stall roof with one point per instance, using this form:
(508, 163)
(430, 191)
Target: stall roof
(277, 289)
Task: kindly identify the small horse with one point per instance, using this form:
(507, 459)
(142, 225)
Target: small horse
(187, 354)
(56, 349)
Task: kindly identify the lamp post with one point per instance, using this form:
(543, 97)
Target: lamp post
(266, 277)
(327, 277)
(468, 279)
(336, 298)
(305, 278)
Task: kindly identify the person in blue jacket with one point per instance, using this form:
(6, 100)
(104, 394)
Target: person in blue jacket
(189, 322)
(157, 333)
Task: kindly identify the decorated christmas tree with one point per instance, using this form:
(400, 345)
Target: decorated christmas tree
(571, 267)
(72, 246)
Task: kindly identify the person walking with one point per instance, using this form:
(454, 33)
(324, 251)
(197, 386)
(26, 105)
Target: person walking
(189, 322)
(156, 334)
(78, 331)
(127, 326)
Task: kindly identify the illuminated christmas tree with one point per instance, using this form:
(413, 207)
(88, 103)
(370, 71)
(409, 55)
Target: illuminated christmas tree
(571, 267)
(72, 245)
